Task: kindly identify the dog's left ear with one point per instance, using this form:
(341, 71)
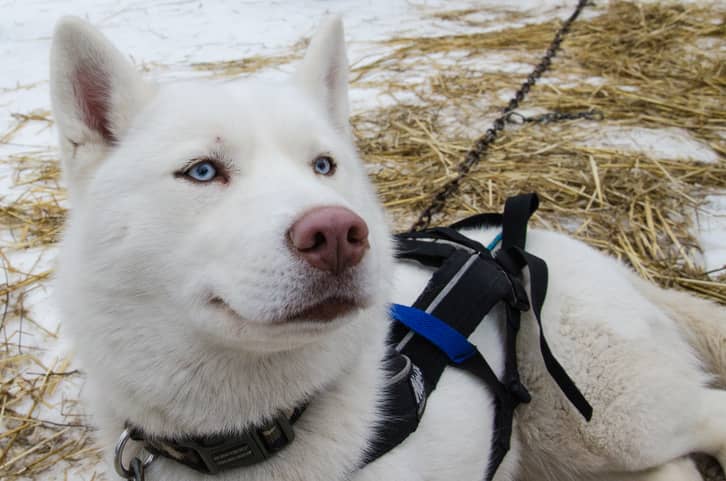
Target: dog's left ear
(324, 71)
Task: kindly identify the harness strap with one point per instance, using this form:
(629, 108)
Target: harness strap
(517, 212)
(447, 234)
(431, 254)
(479, 221)
(504, 405)
(513, 257)
(538, 280)
(403, 406)
(427, 356)
(466, 286)
(456, 347)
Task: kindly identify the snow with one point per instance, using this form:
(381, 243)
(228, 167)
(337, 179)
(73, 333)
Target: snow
(668, 144)
(711, 221)
(165, 37)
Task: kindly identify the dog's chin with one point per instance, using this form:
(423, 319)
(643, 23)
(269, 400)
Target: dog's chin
(332, 310)
(289, 328)
(325, 311)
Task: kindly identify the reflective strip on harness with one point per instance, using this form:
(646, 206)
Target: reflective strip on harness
(456, 347)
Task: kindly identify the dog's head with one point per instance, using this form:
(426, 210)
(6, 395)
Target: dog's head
(236, 212)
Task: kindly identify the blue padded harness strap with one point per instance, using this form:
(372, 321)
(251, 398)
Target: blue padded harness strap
(456, 347)
(493, 244)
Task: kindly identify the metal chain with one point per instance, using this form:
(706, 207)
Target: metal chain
(480, 147)
(556, 116)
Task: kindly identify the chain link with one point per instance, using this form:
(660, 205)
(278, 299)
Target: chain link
(556, 116)
(474, 155)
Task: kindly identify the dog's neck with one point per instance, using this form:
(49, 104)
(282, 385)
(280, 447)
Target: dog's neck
(183, 387)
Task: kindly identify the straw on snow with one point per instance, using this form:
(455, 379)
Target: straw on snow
(647, 73)
(641, 65)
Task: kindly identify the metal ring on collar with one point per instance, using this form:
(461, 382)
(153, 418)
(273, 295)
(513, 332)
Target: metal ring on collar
(118, 456)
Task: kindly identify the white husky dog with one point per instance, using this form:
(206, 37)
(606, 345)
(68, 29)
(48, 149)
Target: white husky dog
(226, 259)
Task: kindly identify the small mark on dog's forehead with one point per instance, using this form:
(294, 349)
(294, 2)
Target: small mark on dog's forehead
(218, 139)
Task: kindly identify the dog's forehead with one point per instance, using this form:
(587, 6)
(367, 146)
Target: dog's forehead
(243, 109)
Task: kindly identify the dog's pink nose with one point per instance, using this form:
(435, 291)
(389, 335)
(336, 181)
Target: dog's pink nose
(330, 238)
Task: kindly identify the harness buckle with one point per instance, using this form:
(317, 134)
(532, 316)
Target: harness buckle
(518, 298)
(518, 391)
(511, 263)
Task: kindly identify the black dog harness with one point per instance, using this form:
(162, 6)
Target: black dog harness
(432, 334)
(429, 336)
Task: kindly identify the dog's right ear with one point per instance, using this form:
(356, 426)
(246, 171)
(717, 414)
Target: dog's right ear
(95, 92)
(324, 71)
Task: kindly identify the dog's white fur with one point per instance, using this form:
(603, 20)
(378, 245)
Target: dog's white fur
(144, 251)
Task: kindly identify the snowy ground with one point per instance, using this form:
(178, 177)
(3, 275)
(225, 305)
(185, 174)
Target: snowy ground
(165, 37)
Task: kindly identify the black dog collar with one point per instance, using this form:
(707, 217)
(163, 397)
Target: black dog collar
(214, 453)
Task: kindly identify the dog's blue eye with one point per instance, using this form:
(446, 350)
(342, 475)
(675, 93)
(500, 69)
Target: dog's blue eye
(324, 165)
(202, 172)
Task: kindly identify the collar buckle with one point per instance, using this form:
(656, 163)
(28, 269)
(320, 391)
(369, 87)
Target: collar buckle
(212, 454)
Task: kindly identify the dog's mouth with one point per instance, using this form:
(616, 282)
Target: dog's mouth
(326, 310)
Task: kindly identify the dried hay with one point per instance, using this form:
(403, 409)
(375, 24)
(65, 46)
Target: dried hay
(653, 65)
(30, 445)
(35, 217)
(647, 73)
(30, 442)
